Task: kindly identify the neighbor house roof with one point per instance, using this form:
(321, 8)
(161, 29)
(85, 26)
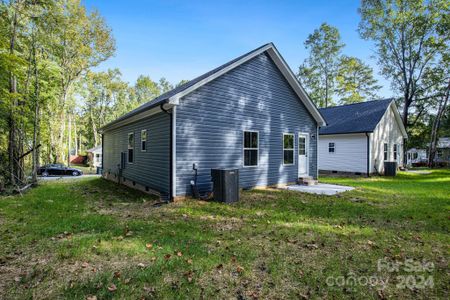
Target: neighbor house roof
(95, 149)
(173, 96)
(356, 118)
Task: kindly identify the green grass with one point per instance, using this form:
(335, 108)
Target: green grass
(74, 239)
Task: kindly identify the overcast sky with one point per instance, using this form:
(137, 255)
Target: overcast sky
(183, 39)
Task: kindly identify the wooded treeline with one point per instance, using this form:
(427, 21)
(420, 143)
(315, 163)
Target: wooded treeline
(410, 39)
(51, 102)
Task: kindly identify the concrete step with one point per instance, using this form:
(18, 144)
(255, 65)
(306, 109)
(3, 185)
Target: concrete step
(307, 180)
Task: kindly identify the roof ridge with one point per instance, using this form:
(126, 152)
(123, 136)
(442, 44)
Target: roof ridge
(376, 100)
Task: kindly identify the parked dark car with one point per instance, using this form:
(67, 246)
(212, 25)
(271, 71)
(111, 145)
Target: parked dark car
(59, 170)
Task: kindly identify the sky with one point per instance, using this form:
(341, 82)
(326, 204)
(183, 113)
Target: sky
(184, 39)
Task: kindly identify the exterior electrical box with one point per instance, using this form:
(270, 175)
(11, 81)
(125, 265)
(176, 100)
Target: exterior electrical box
(225, 185)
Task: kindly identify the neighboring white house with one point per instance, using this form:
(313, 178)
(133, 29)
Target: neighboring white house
(95, 156)
(360, 137)
(414, 156)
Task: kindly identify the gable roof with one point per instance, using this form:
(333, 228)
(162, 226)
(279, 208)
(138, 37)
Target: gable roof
(357, 118)
(173, 96)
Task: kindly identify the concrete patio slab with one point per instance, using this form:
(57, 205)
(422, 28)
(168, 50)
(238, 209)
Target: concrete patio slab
(321, 188)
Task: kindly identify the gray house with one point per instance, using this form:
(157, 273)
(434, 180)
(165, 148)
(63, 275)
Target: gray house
(250, 113)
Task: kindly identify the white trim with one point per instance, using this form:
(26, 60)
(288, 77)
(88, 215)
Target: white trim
(132, 148)
(282, 66)
(306, 135)
(293, 149)
(174, 151)
(142, 115)
(243, 149)
(145, 140)
(393, 106)
(387, 156)
(334, 147)
(317, 152)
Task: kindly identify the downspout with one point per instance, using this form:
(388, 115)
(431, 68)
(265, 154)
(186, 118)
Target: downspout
(170, 152)
(368, 154)
(103, 139)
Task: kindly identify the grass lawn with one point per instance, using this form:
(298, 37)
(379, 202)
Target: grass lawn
(89, 237)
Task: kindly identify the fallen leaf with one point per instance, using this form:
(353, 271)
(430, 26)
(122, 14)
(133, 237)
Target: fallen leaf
(127, 281)
(179, 253)
(90, 297)
(167, 256)
(219, 267)
(17, 279)
(85, 265)
(141, 265)
(153, 258)
(149, 246)
(116, 274)
(239, 269)
(112, 287)
(189, 261)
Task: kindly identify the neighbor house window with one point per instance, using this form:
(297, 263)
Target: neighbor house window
(130, 148)
(395, 152)
(331, 148)
(144, 140)
(439, 153)
(251, 144)
(385, 151)
(288, 149)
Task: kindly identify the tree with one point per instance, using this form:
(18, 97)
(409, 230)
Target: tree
(164, 85)
(146, 89)
(82, 41)
(318, 71)
(355, 81)
(407, 41)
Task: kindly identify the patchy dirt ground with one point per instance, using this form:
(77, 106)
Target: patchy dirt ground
(92, 238)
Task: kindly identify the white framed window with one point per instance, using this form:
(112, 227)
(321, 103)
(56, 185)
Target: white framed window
(251, 148)
(385, 151)
(331, 148)
(144, 140)
(395, 152)
(288, 149)
(130, 148)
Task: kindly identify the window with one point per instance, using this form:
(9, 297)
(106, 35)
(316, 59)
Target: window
(439, 153)
(97, 158)
(331, 148)
(395, 152)
(130, 148)
(288, 149)
(144, 140)
(251, 144)
(385, 151)
(301, 145)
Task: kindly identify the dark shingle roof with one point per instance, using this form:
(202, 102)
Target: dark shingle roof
(354, 118)
(164, 97)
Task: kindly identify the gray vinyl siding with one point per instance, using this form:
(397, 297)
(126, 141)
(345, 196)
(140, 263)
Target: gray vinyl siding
(150, 168)
(210, 123)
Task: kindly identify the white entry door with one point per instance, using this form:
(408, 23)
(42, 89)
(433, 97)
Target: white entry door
(302, 154)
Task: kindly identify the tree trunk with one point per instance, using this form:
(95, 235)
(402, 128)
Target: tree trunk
(436, 126)
(69, 138)
(12, 139)
(36, 127)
